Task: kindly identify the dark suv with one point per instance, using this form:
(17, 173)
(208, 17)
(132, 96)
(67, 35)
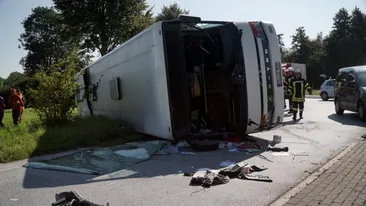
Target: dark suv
(350, 91)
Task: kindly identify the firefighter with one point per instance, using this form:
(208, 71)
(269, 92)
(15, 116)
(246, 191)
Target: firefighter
(298, 87)
(284, 88)
(288, 79)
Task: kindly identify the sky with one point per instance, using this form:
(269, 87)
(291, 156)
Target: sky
(286, 15)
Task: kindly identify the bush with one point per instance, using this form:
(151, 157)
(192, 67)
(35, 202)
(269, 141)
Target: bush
(54, 98)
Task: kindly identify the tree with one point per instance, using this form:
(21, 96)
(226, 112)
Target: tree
(1, 83)
(341, 23)
(300, 46)
(344, 46)
(338, 45)
(170, 12)
(315, 64)
(14, 79)
(54, 96)
(282, 45)
(357, 35)
(104, 24)
(43, 39)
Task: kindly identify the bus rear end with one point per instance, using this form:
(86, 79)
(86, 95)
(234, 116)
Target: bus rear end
(264, 75)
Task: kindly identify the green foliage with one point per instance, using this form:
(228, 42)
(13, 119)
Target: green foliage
(170, 12)
(14, 79)
(54, 97)
(300, 46)
(32, 138)
(1, 83)
(344, 46)
(43, 39)
(103, 25)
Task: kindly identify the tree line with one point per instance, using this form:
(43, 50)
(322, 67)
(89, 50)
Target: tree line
(63, 38)
(59, 42)
(344, 46)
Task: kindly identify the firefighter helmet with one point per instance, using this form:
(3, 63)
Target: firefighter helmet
(297, 71)
(290, 69)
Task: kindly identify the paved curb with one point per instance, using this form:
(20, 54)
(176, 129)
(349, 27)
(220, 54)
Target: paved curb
(286, 197)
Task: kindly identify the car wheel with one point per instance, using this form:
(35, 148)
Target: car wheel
(361, 111)
(324, 96)
(338, 108)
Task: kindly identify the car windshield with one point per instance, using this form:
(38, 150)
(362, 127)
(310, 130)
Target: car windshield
(362, 79)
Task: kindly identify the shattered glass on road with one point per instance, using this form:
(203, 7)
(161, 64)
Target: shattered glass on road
(99, 161)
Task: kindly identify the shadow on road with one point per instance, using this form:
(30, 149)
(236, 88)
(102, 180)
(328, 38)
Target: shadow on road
(347, 119)
(329, 100)
(292, 122)
(157, 165)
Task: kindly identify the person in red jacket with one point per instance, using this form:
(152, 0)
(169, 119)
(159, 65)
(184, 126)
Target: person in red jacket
(16, 104)
(2, 110)
(22, 107)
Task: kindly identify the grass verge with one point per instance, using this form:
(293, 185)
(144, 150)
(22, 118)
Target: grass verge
(31, 138)
(316, 92)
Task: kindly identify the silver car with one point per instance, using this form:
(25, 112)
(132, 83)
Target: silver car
(327, 89)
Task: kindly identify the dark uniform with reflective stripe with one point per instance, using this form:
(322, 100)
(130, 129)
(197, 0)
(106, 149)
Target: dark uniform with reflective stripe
(288, 92)
(298, 88)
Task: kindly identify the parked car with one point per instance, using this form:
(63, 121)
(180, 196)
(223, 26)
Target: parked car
(327, 89)
(350, 91)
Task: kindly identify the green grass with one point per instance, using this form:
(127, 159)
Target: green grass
(31, 138)
(316, 92)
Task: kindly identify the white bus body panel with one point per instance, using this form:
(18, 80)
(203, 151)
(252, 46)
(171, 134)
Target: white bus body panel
(264, 79)
(252, 75)
(140, 65)
(276, 72)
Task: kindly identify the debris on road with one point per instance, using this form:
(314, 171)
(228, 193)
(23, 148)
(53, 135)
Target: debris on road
(280, 154)
(139, 153)
(98, 161)
(72, 198)
(182, 144)
(226, 163)
(278, 149)
(299, 154)
(208, 178)
(188, 153)
(205, 145)
(277, 139)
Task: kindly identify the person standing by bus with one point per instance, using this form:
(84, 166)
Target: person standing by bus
(288, 79)
(298, 87)
(16, 103)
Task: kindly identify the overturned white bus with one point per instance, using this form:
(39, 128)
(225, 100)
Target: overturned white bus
(148, 81)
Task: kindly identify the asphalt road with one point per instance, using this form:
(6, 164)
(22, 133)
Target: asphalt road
(314, 140)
